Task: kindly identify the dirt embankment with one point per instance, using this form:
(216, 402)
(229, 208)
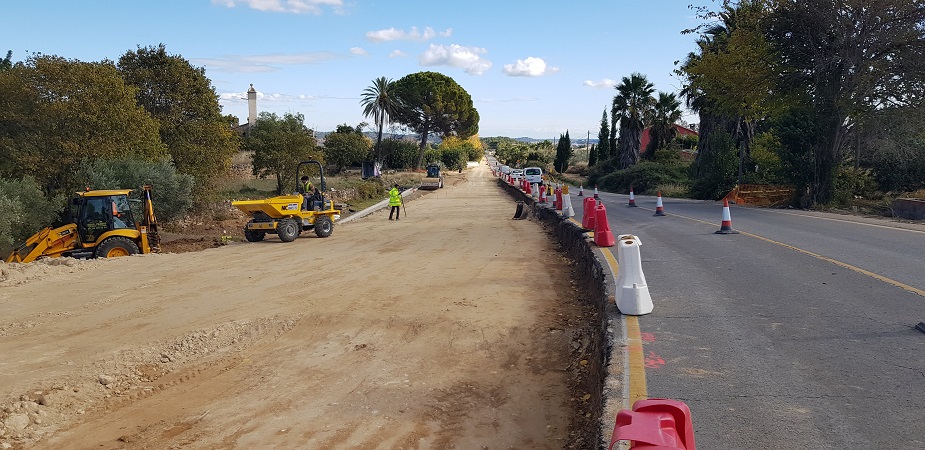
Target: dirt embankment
(455, 327)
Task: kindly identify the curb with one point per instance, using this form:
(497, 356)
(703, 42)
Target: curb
(374, 208)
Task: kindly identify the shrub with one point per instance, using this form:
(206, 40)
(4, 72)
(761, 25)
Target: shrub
(172, 191)
(399, 154)
(644, 178)
(718, 168)
(453, 158)
(24, 210)
(851, 183)
(432, 155)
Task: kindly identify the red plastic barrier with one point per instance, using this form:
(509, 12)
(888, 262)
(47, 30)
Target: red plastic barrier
(587, 214)
(558, 201)
(655, 424)
(603, 237)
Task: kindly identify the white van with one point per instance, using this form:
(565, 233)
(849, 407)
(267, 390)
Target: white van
(534, 175)
(505, 169)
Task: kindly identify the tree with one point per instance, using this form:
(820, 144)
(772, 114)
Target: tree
(433, 102)
(346, 146)
(632, 104)
(279, 144)
(7, 63)
(563, 153)
(739, 75)
(666, 112)
(379, 103)
(57, 113)
(603, 140)
(592, 155)
(184, 103)
(848, 59)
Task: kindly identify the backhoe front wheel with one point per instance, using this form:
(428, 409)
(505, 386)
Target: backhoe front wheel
(288, 230)
(116, 246)
(324, 226)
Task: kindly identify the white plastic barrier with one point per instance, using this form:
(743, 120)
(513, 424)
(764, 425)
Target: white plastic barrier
(632, 292)
(536, 191)
(567, 210)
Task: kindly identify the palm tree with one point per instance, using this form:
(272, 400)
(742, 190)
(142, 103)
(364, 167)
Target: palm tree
(380, 103)
(633, 105)
(666, 113)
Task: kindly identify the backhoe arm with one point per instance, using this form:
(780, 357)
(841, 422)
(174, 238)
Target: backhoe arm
(47, 242)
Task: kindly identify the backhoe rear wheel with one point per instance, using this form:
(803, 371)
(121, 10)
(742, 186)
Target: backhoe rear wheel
(288, 230)
(324, 226)
(116, 246)
(254, 235)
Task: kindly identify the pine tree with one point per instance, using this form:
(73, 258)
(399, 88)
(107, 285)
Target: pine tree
(603, 139)
(563, 153)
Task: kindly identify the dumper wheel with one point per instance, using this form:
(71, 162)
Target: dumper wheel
(287, 230)
(116, 246)
(324, 226)
(254, 235)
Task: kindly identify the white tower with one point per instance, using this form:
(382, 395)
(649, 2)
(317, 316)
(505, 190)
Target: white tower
(251, 106)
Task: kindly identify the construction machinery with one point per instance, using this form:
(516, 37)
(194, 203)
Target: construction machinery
(434, 179)
(288, 216)
(100, 224)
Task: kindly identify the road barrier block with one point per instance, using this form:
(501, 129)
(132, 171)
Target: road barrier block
(655, 423)
(587, 217)
(632, 292)
(603, 237)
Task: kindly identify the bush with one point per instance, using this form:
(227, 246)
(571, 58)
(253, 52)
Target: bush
(172, 191)
(399, 154)
(24, 210)
(850, 184)
(432, 155)
(453, 158)
(644, 178)
(718, 168)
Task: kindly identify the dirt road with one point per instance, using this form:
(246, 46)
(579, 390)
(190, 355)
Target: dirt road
(454, 327)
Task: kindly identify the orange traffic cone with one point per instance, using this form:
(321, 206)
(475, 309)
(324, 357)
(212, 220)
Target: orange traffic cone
(659, 208)
(726, 226)
(581, 191)
(595, 192)
(632, 198)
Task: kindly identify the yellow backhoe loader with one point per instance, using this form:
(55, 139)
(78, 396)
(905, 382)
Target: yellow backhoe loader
(101, 225)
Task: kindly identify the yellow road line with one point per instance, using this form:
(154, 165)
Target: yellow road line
(637, 366)
(859, 270)
(634, 373)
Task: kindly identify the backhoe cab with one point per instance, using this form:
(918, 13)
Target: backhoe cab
(100, 224)
(288, 216)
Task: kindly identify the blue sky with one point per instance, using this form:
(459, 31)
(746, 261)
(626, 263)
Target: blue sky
(533, 68)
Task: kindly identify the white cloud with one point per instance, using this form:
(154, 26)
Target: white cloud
(263, 63)
(285, 6)
(358, 51)
(466, 58)
(605, 83)
(530, 67)
(393, 34)
(397, 54)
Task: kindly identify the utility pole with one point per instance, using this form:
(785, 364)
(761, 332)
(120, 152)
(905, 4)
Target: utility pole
(588, 145)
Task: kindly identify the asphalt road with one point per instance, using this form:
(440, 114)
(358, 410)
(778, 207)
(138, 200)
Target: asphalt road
(799, 332)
